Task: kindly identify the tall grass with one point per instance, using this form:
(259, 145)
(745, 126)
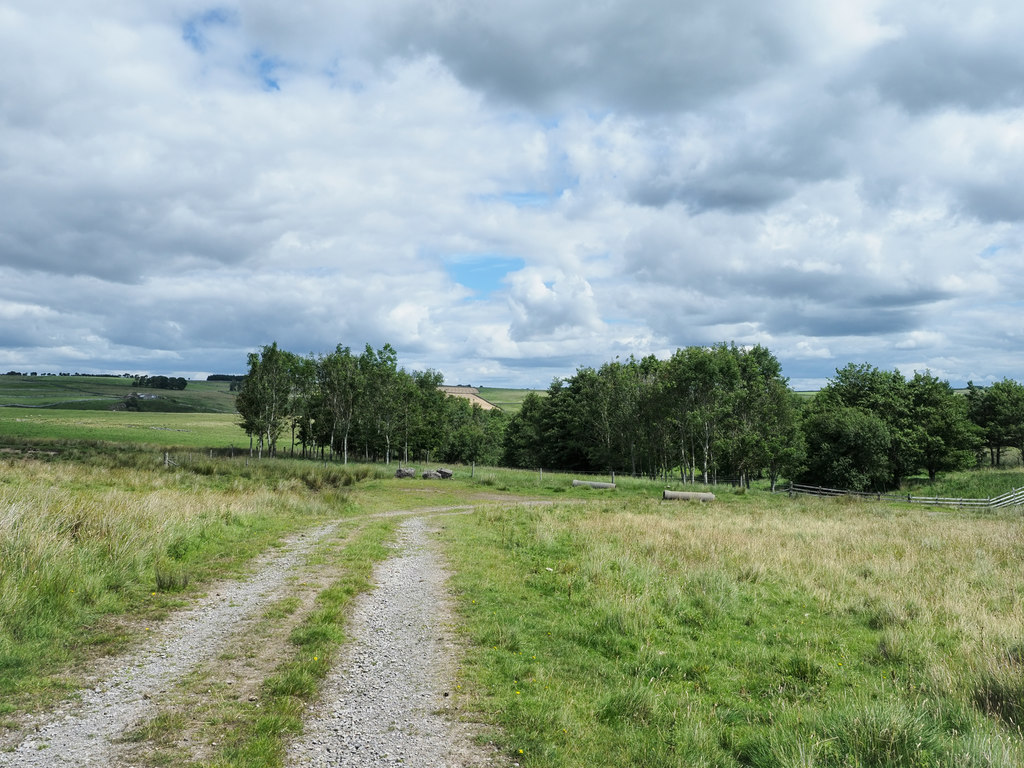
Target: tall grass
(973, 484)
(762, 631)
(81, 545)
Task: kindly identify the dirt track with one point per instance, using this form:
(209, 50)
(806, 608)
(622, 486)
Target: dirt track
(381, 704)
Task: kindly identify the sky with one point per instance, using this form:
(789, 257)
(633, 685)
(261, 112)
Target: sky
(506, 192)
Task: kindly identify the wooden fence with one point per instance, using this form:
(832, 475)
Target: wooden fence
(1013, 498)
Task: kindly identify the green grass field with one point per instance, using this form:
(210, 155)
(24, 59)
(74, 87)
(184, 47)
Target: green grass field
(162, 430)
(601, 628)
(757, 631)
(509, 400)
(104, 392)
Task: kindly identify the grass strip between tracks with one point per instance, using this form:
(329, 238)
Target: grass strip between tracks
(260, 732)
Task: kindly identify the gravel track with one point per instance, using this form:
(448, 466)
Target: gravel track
(83, 733)
(385, 702)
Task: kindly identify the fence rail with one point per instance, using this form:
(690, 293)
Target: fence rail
(1012, 498)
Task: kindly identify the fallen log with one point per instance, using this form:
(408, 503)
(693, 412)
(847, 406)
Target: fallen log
(590, 484)
(688, 496)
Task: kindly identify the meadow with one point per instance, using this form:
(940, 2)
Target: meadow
(85, 393)
(602, 628)
(757, 631)
(509, 400)
(61, 429)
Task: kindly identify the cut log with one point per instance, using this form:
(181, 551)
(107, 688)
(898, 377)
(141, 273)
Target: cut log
(405, 473)
(590, 484)
(688, 496)
(446, 474)
(431, 476)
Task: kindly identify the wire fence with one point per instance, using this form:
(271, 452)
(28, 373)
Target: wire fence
(1012, 498)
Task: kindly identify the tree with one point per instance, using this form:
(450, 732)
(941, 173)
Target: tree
(885, 395)
(474, 435)
(263, 400)
(425, 416)
(302, 399)
(381, 412)
(949, 440)
(998, 412)
(522, 445)
(341, 382)
(846, 448)
(702, 384)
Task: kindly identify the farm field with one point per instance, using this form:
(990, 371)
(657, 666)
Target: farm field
(509, 400)
(598, 628)
(103, 392)
(201, 431)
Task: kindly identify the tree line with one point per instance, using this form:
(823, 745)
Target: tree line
(342, 404)
(705, 414)
(160, 382)
(725, 412)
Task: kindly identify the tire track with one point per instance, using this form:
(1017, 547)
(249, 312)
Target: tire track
(385, 704)
(84, 733)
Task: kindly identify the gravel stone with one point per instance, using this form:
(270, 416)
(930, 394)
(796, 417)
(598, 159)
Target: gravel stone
(385, 703)
(83, 733)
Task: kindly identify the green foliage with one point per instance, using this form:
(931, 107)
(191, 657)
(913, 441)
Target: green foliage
(346, 405)
(947, 439)
(263, 400)
(706, 412)
(998, 413)
(869, 429)
(846, 448)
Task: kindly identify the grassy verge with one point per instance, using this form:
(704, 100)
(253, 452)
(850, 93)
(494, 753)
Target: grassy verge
(763, 632)
(88, 550)
(973, 484)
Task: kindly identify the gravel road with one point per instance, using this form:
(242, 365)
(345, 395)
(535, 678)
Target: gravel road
(83, 733)
(383, 705)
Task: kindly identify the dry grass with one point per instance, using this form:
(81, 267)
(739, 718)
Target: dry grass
(787, 632)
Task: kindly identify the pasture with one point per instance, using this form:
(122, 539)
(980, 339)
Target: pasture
(756, 631)
(104, 392)
(599, 628)
(55, 428)
(509, 400)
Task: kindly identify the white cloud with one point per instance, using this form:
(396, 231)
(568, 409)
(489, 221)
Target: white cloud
(185, 182)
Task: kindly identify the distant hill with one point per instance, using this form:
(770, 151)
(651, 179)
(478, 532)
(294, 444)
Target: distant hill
(104, 393)
(468, 393)
(509, 400)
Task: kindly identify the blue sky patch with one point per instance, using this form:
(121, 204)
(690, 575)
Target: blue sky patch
(482, 274)
(193, 31)
(265, 68)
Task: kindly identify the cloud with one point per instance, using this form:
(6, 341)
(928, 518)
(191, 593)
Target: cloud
(186, 181)
(549, 309)
(949, 56)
